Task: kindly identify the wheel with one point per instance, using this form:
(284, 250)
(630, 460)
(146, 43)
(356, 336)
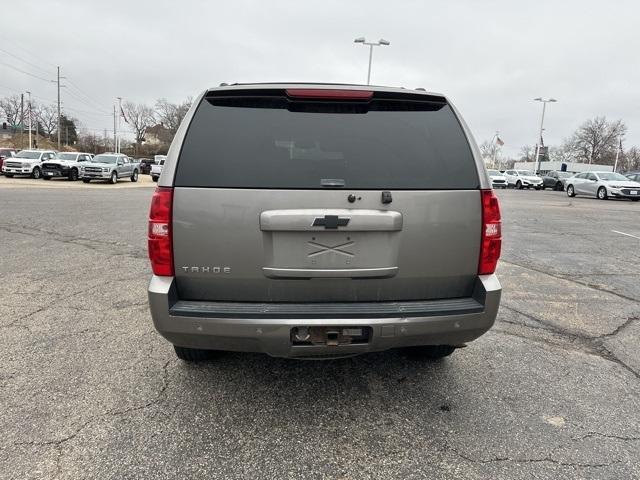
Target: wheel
(114, 178)
(559, 187)
(73, 174)
(602, 193)
(519, 185)
(46, 178)
(193, 354)
(36, 173)
(134, 176)
(634, 199)
(570, 191)
(8, 175)
(543, 187)
(154, 178)
(430, 352)
(538, 188)
(86, 180)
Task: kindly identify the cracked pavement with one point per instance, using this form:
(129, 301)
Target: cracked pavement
(89, 390)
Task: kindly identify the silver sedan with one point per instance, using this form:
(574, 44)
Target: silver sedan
(603, 185)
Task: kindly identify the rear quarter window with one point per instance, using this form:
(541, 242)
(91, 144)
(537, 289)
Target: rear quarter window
(270, 146)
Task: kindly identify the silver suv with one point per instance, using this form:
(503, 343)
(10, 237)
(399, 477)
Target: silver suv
(323, 221)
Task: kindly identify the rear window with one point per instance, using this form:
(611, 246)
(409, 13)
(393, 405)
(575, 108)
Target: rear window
(272, 144)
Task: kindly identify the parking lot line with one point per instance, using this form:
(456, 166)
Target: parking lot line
(626, 234)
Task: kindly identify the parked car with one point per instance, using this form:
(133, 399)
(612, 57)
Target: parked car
(285, 224)
(555, 180)
(6, 153)
(65, 164)
(633, 176)
(603, 185)
(27, 162)
(498, 180)
(523, 179)
(110, 167)
(156, 169)
(145, 165)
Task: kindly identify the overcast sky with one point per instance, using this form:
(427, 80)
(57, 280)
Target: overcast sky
(491, 58)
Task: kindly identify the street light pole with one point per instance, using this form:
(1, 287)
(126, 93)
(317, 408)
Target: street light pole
(380, 42)
(544, 107)
(30, 144)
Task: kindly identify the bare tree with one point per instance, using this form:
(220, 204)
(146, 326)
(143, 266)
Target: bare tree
(490, 151)
(170, 115)
(140, 117)
(10, 107)
(596, 140)
(527, 153)
(561, 154)
(47, 115)
(631, 159)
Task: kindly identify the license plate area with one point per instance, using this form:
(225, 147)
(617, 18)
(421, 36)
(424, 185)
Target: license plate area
(330, 336)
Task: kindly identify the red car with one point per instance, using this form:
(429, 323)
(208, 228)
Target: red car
(6, 153)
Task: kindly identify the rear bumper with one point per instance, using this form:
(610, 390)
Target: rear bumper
(223, 326)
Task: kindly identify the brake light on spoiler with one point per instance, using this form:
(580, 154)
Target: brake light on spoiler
(329, 94)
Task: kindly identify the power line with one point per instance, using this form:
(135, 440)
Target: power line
(75, 96)
(26, 73)
(25, 61)
(17, 45)
(83, 93)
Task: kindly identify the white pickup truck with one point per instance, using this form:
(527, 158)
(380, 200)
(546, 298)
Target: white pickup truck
(156, 168)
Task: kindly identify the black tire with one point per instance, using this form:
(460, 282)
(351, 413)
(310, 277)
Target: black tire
(559, 187)
(36, 173)
(154, 178)
(134, 176)
(46, 178)
(602, 193)
(8, 175)
(73, 174)
(86, 180)
(114, 178)
(570, 191)
(193, 354)
(430, 352)
(519, 185)
(634, 199)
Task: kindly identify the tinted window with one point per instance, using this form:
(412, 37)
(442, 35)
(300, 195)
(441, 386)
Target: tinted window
(382, 148)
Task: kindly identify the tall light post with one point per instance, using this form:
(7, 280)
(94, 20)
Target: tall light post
(380, 42)
(544, 107)
(30, 144)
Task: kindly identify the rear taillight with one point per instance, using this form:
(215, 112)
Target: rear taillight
(160, 236)
(491, 233)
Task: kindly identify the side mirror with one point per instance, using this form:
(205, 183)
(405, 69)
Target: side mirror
(120, 163)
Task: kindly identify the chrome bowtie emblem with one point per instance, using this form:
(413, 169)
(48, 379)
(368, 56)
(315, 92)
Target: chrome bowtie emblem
(330, 221)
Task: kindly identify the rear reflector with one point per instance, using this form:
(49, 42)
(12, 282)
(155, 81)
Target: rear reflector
(160, 237)
(491, 242)
(329, 94)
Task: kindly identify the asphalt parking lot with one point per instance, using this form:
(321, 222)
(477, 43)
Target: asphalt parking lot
(89, 390)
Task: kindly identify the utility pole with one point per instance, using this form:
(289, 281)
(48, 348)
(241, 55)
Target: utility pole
(22, 120)
(67, 129)
(536, 166)
(615, 165)
(115, 130)
(58, 108)
(30, 144)
(119, 114)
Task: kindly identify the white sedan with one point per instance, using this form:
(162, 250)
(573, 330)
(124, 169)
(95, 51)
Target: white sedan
(603, 185)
